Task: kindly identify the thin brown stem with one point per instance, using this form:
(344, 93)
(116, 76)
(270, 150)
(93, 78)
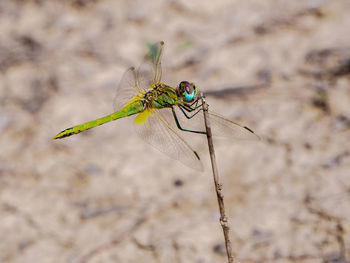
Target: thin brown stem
(218, 185)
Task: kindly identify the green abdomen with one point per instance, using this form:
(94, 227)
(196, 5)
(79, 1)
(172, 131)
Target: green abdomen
(127, 111)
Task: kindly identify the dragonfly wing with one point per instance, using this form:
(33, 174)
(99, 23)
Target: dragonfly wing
(137, 82)
(160, 134)
(127, 89)
(150, 71)
(221, 126)
(225, 128)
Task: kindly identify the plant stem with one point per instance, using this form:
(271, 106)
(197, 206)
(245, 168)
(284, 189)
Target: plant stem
(218, 185)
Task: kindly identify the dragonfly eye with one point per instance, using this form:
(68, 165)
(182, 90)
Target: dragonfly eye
(189, 91)
(189, 96)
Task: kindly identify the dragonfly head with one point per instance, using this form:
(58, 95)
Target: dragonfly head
(187, 91)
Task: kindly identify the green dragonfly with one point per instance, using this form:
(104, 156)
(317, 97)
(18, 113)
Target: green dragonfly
(161, 111)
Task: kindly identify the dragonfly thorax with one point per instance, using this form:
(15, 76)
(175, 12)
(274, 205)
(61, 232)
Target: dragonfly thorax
(160, 96)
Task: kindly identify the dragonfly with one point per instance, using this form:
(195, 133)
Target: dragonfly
(159, 110)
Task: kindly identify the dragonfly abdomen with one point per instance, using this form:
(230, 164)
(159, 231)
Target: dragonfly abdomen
(131, 109)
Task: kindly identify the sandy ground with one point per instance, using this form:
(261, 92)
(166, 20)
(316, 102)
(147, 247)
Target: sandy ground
(280, 67)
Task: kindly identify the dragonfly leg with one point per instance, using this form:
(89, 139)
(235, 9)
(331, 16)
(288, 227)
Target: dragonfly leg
(182, 129)
(195, 102)
(189, 108)
(189, 117)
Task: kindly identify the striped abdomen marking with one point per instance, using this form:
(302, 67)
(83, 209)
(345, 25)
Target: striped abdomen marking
(128, 110)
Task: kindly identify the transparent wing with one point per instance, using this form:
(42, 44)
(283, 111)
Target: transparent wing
(221, 126)
(127, 89)
(137, 82)
(160, 134)
(225, 128)
(150, 71)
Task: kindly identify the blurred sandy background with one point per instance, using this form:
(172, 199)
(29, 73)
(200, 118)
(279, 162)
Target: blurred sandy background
(280, 67)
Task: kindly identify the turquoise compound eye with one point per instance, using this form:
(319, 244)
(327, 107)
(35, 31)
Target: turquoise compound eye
(188, 91)
(189, 97)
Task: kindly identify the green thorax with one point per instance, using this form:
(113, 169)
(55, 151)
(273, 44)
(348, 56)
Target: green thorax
(161, 96)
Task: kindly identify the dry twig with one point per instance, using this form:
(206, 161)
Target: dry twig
(218, 185)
